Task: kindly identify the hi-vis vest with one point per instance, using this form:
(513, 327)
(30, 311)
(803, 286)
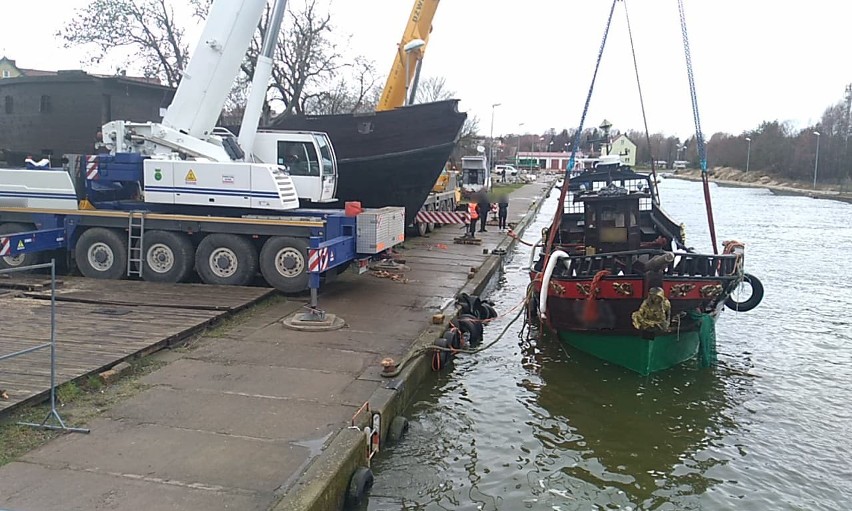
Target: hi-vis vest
(471, 209)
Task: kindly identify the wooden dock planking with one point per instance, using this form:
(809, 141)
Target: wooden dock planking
(100, 323)
(187, 296)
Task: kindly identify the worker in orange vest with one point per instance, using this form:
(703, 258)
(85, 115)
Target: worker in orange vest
(474, 216)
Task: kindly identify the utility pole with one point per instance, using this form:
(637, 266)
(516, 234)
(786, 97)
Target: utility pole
(748, 153)
(518, 150)
(816, 159)
(491, 138)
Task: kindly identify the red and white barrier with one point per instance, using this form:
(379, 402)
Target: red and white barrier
(442, 217)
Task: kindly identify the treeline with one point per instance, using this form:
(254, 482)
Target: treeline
(772, 148)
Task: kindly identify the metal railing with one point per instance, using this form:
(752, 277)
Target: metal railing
(686, 264)
(53, 413)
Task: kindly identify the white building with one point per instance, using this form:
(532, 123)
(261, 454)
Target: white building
(551, 161)
(623, 147)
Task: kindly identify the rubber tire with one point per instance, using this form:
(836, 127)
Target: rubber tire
(397, 430)
(468, 304)
(182, 251)
(26, 259)
(113, 240)
(359, 484)
(270, 272)
(476, 322)
(487, 311)
(469, 325)
(430, 226)
(444, 355)
(419, 229)
(454, 338)
(241, 247)
(753, 300)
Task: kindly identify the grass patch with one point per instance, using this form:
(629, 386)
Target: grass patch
(68, 392)
(77, 403)
(94, 383)
(506, 187)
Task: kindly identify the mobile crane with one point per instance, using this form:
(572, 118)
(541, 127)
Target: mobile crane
(182, 194)
(415, 37)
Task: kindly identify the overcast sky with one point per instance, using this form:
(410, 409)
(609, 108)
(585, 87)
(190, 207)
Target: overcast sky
(754, 60)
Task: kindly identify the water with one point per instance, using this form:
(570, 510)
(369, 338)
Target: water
(533, 425)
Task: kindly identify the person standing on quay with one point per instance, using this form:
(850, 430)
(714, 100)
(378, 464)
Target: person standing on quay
(473, 214)
(484, 207)
(502, 211)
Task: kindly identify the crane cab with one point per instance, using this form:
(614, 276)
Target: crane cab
(308, 157)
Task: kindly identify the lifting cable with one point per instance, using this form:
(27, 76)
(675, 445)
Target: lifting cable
(576, 144)
(699, 136)
(642, 104)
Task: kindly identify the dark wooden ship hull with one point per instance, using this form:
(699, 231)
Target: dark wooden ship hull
(390, 158)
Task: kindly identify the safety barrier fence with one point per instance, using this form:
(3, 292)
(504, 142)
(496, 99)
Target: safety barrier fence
(51, 345)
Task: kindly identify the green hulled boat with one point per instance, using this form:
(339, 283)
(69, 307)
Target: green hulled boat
(614, 277)
(620, 284)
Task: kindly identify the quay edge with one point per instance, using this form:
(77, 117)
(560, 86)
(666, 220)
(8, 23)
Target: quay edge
(324, 484)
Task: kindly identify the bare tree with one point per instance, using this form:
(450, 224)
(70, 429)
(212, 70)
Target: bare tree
(433, 89)
(147, 27)
(306, 58)
(468, 140)
(354, 91)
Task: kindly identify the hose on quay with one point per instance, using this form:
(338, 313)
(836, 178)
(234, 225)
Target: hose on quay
(437, 349)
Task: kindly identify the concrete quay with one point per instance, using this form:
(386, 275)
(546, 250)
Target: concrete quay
(254, 416)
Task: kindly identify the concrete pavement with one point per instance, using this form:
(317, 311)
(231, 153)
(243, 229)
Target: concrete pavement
(247, 415)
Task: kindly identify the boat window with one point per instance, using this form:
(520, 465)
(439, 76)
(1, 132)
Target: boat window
(300, 158)
(325, 152)
(611, 217)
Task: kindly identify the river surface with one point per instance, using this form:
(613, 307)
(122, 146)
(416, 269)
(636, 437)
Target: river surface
(529, 424)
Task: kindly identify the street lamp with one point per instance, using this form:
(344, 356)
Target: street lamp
(816, 159)
(518, 150)
(491, 137)
(748, 153)
(411, 46)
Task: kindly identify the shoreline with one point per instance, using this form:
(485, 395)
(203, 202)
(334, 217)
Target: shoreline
(778, 189)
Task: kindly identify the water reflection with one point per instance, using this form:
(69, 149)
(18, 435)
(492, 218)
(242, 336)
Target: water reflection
(648, 438)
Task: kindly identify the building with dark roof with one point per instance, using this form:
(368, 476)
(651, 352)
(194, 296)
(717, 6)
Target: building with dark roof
(51, 113)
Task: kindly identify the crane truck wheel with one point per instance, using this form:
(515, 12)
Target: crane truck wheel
(430, 226)
(19, 260)
(226, 260)
(101, 254)
(419, 228)
(284, 263)
(167, 256)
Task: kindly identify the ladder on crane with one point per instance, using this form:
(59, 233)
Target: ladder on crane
(135, 243)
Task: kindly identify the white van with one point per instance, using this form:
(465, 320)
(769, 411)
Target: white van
(506, 173)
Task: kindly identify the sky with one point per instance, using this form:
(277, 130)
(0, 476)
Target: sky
(753, 60)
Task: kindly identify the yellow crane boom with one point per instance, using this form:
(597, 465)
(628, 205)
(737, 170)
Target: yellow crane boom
(419, 26)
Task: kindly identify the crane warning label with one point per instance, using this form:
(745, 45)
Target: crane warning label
(190, 178)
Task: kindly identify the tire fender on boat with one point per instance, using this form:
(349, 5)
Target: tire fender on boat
(752, 301)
